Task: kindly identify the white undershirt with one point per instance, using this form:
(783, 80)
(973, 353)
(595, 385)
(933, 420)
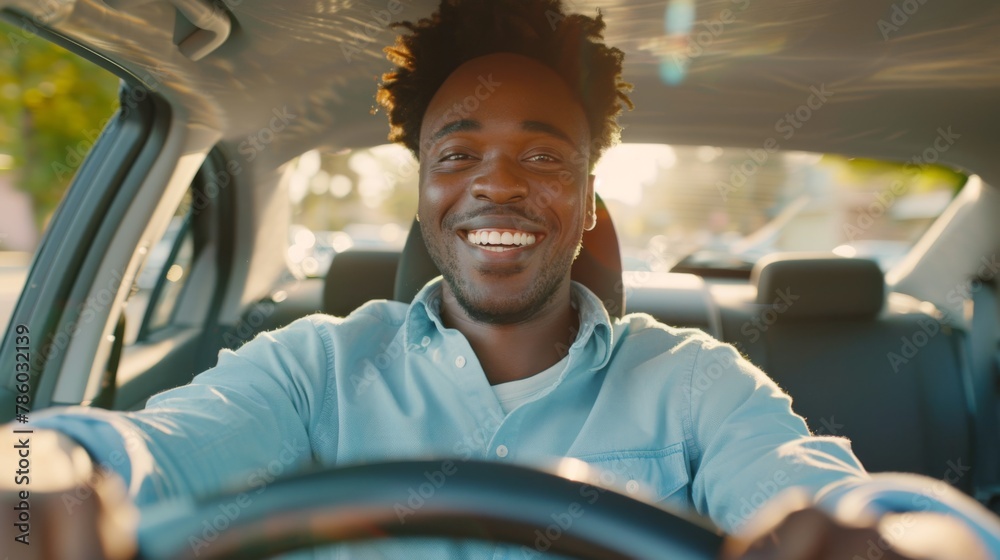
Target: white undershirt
(513, 394)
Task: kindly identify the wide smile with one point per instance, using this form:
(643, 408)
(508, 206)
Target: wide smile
(501, 240)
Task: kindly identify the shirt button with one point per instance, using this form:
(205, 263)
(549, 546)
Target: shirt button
(501, 451)
(631, 486)
(425, 341)
(460, 361)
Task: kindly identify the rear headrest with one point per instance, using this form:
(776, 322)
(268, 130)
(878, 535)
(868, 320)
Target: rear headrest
(819, 285)
(356, 276)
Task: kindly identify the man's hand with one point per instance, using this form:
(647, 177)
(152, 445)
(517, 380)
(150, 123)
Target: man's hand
(791, 530)
(73, 510)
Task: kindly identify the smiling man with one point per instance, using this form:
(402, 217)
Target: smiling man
(506, 358)
(504, 254)
(506, 190)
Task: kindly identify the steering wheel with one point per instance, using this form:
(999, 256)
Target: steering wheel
(461, 499)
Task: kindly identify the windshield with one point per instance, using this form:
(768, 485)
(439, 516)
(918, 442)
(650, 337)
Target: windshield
(701, 209)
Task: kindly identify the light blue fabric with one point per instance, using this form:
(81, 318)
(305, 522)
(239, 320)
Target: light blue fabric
(664, 410)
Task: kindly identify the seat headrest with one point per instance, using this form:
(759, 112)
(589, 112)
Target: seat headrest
(820, 285)
(357, 276)
(598, 266)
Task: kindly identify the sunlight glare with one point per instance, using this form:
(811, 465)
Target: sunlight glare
(625, 169)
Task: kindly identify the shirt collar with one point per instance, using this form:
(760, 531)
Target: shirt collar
(424, 313)
(595, 325)
(424, 316)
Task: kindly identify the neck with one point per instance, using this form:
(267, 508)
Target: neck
(517, 351)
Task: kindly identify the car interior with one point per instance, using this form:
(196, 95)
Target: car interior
(904, 361)
(827, 350)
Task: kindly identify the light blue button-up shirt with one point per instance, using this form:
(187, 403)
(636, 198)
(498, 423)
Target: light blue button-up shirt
(670, 411)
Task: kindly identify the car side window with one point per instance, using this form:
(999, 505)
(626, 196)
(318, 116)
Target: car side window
(53, 106)
(158, 286)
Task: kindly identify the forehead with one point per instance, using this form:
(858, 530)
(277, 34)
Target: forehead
(505, 90)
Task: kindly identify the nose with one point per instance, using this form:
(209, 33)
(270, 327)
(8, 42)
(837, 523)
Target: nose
(500, 182)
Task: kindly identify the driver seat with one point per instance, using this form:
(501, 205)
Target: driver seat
(598, 267)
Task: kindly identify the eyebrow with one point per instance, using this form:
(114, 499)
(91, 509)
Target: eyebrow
(456, 126)
(464, 125)
(544, 127)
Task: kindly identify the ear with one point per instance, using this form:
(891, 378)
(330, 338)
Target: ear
(590, 217)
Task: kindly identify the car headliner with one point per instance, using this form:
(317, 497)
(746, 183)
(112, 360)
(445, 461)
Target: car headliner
(939, 67)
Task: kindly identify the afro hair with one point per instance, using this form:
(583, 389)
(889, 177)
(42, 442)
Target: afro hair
(461, 30)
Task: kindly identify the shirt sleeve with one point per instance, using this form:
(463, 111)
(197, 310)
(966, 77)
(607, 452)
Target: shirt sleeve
(748, 445)
(242, 423)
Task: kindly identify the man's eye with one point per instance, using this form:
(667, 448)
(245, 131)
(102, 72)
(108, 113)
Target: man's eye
(456, 156)
(543, 158)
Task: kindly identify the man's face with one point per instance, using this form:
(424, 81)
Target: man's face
(504, 185)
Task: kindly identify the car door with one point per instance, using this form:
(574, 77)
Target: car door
(66, 340)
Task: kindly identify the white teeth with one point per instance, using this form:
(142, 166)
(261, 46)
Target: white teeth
(500, 241)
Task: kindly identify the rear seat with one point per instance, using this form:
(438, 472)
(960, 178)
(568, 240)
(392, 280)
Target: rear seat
(890, 379)
(679, 300)
(355, 277)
